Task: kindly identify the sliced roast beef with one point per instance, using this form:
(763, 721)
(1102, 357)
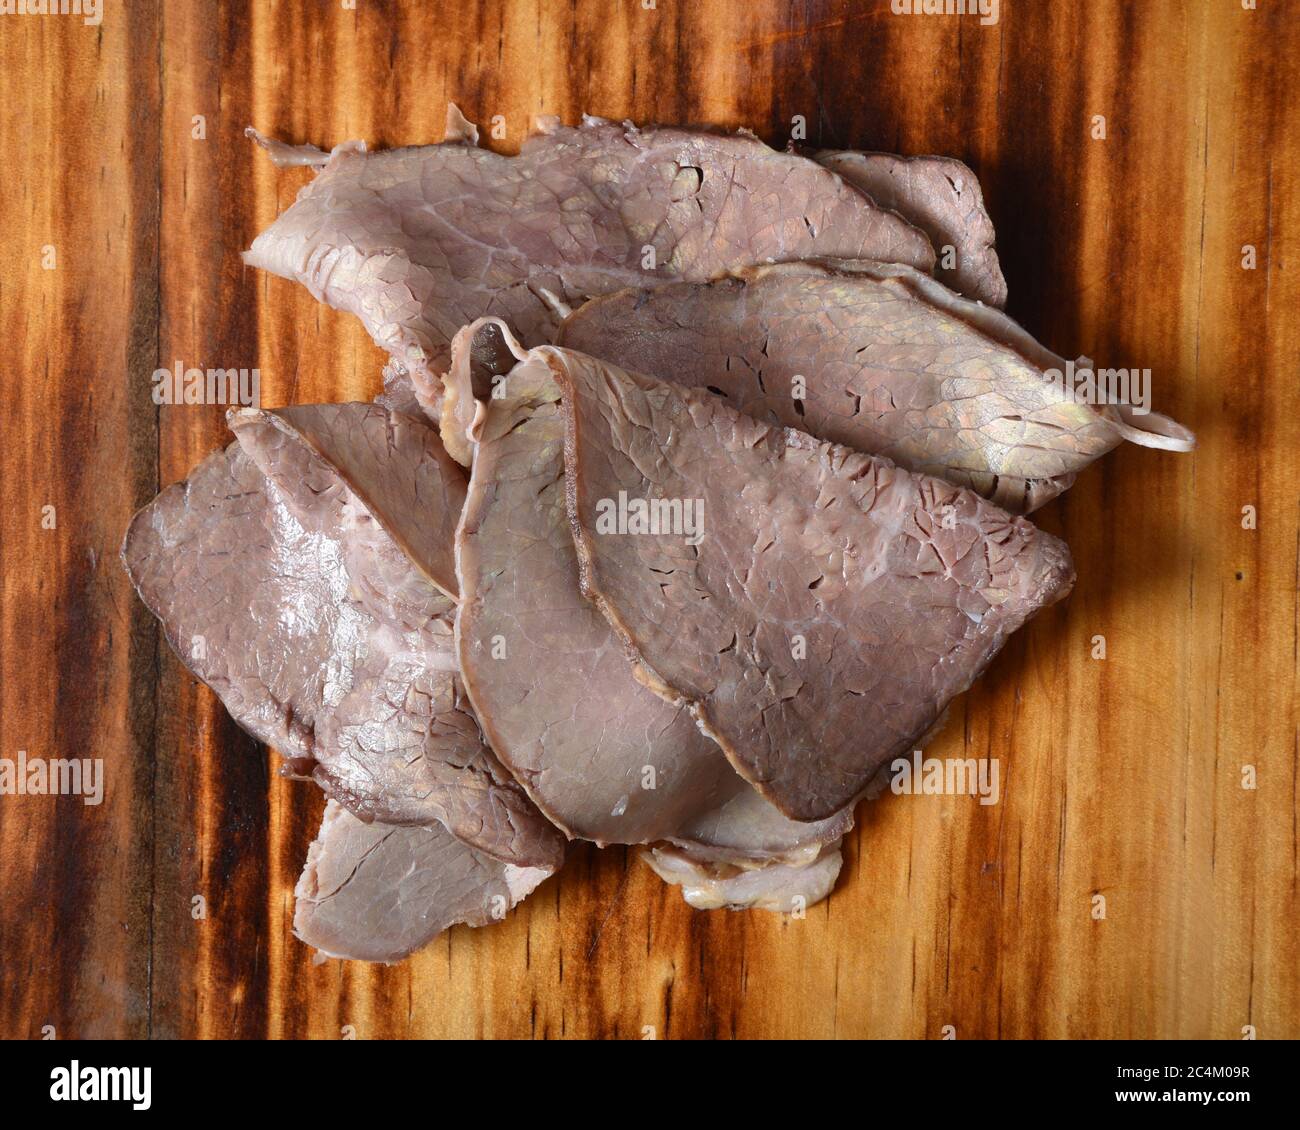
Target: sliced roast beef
(878, 358)
(819, 609)
(396, 468)
(395, 586)
(418, 241)
(942, 197)
(601, 755)
(783, 886)
(209, 557)
(373, 892)
(280, 588)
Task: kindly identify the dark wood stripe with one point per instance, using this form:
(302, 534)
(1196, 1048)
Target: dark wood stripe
(1120, 777)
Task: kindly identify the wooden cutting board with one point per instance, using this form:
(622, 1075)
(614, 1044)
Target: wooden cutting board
(129, 195)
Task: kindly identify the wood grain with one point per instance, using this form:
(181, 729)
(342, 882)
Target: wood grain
(1121, 777)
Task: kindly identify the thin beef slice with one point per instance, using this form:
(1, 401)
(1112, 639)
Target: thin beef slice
(402, 745)
(877, 358)
(398, 471)
(418, 241)
(373, 892)
(942, 197)
(834, 603)
(286, 616)
(602, 756)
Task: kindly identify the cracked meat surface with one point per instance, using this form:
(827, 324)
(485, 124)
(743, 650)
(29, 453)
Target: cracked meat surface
(282, 590)
(836, 603)
(942, 197)
(688, 568)
(550, 682)
(419, 241)
(395, 466)
(888, 362)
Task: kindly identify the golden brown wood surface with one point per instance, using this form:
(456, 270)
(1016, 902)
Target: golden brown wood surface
(1122, 776)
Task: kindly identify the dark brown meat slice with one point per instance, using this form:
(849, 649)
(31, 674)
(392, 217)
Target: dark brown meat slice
(372, 892)
(550, 683)
(889, 362)
(835, 603)
(942, 197)
(254, 589)
(416, 242)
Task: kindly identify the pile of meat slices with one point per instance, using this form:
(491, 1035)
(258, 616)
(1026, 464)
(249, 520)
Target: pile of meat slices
(416, 600)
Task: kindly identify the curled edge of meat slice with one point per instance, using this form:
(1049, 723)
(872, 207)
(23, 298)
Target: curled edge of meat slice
(783, 886)
(482, 351)
(1151, 429)
(285, 156)
(1143, 429)
(784, 883)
